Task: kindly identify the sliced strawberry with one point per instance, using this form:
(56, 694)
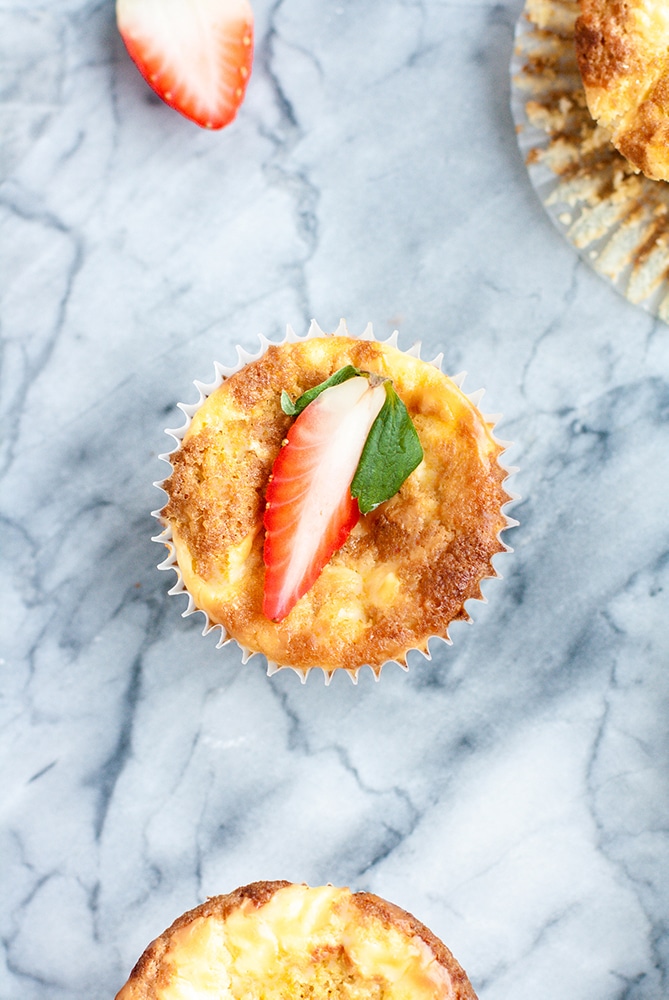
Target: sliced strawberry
(310, 511)
(195, 54)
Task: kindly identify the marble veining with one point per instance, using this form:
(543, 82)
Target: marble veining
(513, 791)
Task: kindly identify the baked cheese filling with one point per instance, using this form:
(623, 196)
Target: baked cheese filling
(305, 943)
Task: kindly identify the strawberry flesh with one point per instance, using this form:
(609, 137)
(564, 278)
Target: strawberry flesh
(310, 511)
(195, 54)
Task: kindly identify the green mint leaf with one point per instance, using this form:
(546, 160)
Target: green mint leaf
(294, 408)
(392, 451)
(287, 405)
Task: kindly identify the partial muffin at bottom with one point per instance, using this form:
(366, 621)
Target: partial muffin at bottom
(275, 940)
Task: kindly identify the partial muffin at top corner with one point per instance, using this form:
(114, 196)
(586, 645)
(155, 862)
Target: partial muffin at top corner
(279, 939)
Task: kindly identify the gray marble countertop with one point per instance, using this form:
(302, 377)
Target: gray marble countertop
(512, 792)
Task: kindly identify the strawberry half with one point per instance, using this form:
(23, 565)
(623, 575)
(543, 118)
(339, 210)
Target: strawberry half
(195, 54)
(310, 511)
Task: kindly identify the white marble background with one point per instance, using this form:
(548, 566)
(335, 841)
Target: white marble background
(512, 793)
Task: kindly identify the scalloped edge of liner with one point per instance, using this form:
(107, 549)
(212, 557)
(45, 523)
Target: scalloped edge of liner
(205, 389)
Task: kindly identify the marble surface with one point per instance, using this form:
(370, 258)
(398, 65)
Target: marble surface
(512, 792)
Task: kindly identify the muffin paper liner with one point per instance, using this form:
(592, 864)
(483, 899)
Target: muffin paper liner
(222, 372)
(616, 219)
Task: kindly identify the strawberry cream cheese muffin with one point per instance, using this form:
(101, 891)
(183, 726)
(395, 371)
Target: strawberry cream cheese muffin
(277, 939)
(334, 503)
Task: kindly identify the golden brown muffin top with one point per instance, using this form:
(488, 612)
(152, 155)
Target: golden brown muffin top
(408, 567)
(278, 939)
(622, 48)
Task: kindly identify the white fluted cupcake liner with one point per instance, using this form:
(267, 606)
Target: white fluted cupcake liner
(205, 389)
(616, 219)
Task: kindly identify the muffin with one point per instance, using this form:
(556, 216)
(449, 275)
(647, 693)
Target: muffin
(406, 567)
(277, 939)
(579, 73)
(623, 57)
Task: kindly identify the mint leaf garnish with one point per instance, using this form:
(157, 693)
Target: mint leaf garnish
(391, 453)
(294, 408)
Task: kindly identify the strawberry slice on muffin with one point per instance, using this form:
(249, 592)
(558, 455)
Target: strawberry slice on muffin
(310, 510)
(350, 448)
